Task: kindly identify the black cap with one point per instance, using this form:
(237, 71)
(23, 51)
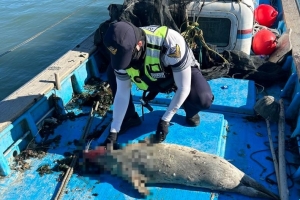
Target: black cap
(120, 40)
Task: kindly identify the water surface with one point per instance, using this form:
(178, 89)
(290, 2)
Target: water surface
(36, 33)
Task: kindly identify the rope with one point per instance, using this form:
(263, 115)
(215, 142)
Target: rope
(194, 37)
(40, 33)
(274, 158)
(283, 188)
(257, 27)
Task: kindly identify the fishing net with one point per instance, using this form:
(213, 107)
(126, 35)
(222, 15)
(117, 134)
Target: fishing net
(172, 13)
(253, 67)
(148, 12)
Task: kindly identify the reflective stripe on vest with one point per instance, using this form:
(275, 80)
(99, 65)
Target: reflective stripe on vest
(153, 70)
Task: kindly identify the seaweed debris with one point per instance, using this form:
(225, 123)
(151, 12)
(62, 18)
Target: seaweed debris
(33, 150)
(63, 165)
(44, 169)
(95, 90)
(49, 126)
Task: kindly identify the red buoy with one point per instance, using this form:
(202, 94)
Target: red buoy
(265, 15)
(264, 42)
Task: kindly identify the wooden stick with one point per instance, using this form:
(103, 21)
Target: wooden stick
(70, 170)
(284, 192)
(273, 155)
(57, 81)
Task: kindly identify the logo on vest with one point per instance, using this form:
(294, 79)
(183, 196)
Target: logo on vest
(158, 75)
(112, 50)
(175, 52)
(137, 79)
(152, 28)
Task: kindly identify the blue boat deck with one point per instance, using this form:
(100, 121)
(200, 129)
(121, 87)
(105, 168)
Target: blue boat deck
(226, 130)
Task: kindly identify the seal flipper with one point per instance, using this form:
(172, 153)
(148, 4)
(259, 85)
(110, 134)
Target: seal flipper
(138, 181)
(252, 188)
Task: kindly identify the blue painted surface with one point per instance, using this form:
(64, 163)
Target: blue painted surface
(289, 86)
(231, 95)
(243, 138)
(66, 91)
(29, 184)
(288, 63)
(244, 145)
(4, 166)
(244, 36)
(292, 110)
(79, 79)
(208, 136)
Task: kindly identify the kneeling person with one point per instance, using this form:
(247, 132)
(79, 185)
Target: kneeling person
(156, 59)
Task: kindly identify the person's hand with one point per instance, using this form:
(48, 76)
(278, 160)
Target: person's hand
(111, 141)
(111, 138)
(162, 130)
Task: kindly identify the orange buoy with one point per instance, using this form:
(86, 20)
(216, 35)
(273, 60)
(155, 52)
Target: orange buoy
(265, 15)
(264, 42)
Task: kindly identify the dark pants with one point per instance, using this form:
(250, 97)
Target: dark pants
(200, 97)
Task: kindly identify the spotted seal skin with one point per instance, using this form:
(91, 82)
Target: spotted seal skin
(143, 163)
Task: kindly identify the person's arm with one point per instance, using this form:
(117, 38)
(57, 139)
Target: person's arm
(121, 100)
(183, 83)
(180, 59)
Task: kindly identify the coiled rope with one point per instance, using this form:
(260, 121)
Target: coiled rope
(257, 27)
(194, 37)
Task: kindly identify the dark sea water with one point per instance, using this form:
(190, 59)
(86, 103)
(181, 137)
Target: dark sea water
(35, 33)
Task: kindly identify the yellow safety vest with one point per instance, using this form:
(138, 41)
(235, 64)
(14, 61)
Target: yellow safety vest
(152, 72)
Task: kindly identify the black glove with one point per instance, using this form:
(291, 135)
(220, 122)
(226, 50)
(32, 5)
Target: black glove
(162, 130)
(111, 139)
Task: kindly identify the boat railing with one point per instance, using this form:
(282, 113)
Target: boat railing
(20, 112)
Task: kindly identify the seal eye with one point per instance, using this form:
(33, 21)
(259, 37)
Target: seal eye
(137, 79)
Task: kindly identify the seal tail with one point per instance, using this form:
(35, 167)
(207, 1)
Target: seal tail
(252, 188)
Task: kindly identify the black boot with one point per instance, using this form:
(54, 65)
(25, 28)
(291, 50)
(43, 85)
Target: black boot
(193, 121)
(111, 140)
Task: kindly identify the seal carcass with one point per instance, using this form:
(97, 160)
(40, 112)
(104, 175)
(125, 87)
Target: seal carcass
(143, 163)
